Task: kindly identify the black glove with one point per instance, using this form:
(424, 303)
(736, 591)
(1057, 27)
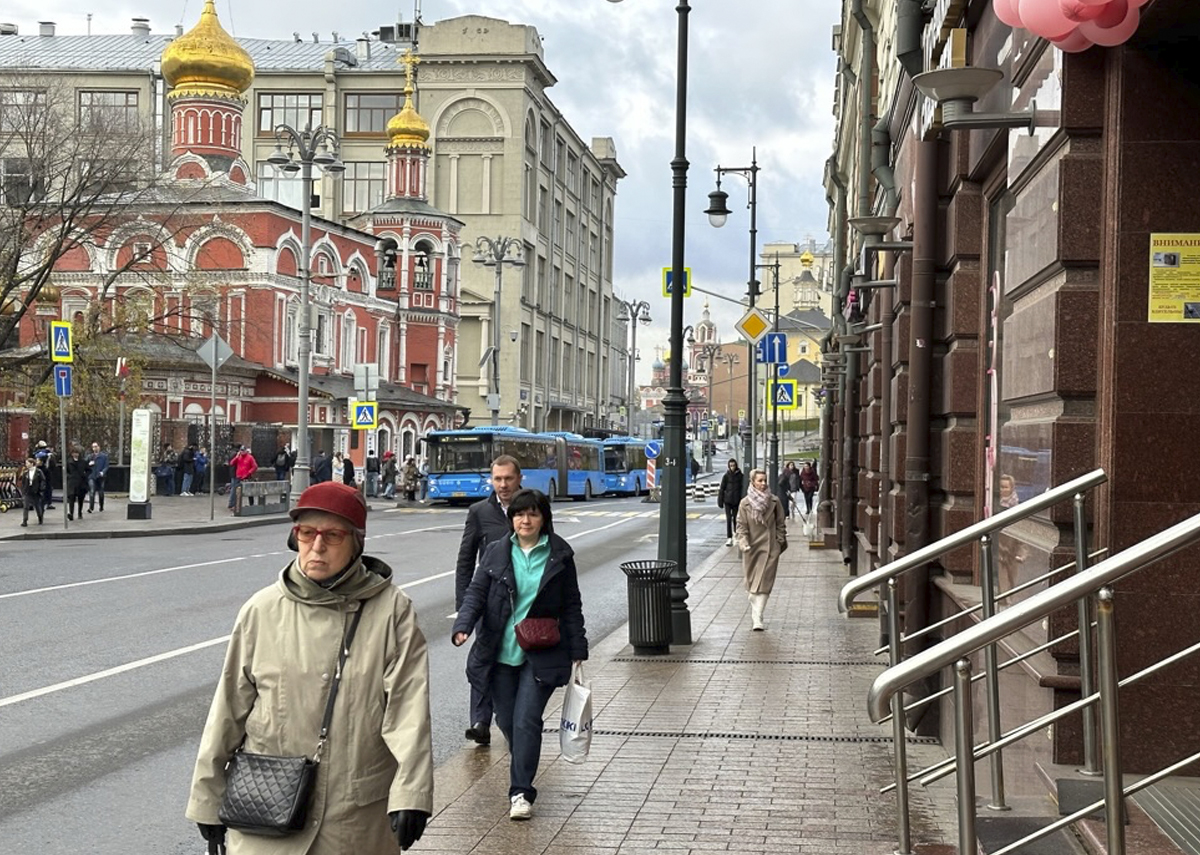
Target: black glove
(214, 835)
(408, 826)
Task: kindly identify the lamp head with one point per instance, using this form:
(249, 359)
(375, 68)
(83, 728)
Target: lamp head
(291, 167)
(335, 167)
(718, 210)
(278, 157)
(512, 335)
(324, 156)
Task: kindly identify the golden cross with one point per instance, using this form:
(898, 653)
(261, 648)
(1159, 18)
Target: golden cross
(410, 60)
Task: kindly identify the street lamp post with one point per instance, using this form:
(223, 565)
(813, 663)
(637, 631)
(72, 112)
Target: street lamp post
(709, 353)
(304, 148)
(497, 252)
(634, 312)
(773, 454)
(718, 213)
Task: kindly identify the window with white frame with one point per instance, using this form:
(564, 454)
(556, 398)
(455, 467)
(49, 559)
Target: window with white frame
(361, 356)
(381, 351)
(279, 186)
(108, 111)
(291, 335)
(348, 339)
(321, 335)
(363, 185)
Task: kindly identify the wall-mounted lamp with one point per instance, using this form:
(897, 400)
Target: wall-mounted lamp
(512, 335)
(956, 90)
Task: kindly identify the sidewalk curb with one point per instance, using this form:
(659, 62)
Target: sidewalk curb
(109, 534)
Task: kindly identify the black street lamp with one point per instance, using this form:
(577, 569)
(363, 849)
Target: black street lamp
(497, 252)
(308, 146)
(633, 312)
(718, 213)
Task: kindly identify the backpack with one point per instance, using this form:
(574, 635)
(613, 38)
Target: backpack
(372, 464)
(281, 459)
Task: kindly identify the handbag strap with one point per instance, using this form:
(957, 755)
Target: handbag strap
(337, 681)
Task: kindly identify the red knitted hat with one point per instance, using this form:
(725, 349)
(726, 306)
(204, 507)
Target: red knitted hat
(331, 497)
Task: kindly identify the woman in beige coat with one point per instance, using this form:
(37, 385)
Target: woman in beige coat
(374, 783)
(762, 537)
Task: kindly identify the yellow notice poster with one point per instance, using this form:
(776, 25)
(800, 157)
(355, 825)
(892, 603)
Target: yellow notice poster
(1174, 279)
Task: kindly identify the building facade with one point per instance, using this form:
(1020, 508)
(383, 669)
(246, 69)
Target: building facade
(1023, 337)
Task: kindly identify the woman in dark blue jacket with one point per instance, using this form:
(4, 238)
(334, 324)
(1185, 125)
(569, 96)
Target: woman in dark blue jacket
(530, 574)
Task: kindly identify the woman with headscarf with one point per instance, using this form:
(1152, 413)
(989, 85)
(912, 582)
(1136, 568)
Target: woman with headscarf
(762, 538)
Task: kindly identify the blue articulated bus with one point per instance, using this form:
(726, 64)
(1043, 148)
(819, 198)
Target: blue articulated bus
(460, 462)
(585, 465)
(625, 465)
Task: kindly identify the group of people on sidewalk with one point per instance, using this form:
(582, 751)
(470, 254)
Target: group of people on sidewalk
(183, 472)
(337, 612)
(757, 522)
(84, 477)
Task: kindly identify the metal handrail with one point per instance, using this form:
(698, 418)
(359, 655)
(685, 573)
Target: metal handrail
(987, 526)
(1067, 592)
(1024, 586)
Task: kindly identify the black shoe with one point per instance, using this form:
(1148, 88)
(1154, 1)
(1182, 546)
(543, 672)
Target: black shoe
(70, 516)
(480, 732)
(89, 510)
(24, 525)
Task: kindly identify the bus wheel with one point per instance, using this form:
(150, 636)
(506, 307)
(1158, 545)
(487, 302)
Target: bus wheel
(587, 491)
(553, 495)
(637, 487)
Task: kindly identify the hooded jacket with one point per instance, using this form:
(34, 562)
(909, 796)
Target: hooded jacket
(272, 694)
(490, 597)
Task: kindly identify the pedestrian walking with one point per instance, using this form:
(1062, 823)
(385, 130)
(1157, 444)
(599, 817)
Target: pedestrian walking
(389, 475)
(487, 522)
(528, 580)
(409, 477)
(810, 482)
(33, 491)
(372, 469)
(47, 460)
(322, 468)
(762, 538)
(337, 467)
(729, 494)
(241, 468)
(75, 488)
(97, 463)
(423, 480)
(347, 471)
(200, 464)
(187, 465)
(282, 463)
(790, 482)
(374, 782)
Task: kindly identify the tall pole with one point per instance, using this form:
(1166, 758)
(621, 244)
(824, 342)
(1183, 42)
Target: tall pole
(672, 539)
(495, 402)
(773, 453)
(309, 146)
(63, 454)
(300, 473)
(632, 380)
(711, 364)
(212, 445)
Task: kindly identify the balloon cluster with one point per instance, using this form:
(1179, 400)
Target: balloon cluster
(1073, 25)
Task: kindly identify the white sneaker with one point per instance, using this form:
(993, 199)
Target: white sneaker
(520, 809)
(729, 541)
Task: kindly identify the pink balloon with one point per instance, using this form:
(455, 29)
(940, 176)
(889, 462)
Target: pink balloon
(1077, 11)
(1076, 42)
(1044, 18)
(1006, 11)
(1113, 14)
(1115, 35)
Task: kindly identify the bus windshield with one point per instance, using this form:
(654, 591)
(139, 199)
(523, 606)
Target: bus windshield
(460, 454)
(614, 460)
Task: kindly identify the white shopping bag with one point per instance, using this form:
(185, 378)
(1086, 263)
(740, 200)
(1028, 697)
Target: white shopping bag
(575, 730)
(810, 527)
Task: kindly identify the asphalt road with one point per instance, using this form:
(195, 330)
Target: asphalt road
(112, 648)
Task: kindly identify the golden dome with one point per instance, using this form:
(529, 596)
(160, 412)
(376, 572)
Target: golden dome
(407, 128)
(10, 307)
(806, 258)
(49, 293)
(207, 61)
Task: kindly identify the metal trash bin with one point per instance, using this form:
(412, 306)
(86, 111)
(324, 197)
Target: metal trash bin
(649, 606)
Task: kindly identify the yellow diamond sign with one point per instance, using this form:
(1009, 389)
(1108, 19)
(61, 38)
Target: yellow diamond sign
(753, 325)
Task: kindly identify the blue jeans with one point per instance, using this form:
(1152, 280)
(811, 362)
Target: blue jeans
(520, 701)
(372, 484)
(233, 485)
(187, 483)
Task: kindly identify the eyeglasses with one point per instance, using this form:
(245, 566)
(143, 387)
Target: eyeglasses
(309, 533)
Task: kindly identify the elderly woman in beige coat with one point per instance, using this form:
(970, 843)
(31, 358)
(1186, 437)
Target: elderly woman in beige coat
(374, 782)
(762, 537)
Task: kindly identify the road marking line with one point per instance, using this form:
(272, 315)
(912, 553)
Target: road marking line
(152, 660)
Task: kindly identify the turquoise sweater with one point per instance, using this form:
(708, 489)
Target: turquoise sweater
(527, 569)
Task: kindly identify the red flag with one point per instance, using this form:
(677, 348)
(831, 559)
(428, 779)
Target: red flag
(122, 368)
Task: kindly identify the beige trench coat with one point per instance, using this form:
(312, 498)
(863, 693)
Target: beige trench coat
(272, 693)
(761, 543)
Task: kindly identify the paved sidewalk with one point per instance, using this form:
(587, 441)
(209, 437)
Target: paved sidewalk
(745, 742)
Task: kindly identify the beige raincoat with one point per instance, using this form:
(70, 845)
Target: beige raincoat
(761, 543)
(272, 693)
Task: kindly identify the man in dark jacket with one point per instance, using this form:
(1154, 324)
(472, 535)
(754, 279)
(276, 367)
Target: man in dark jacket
(33, 490)
(487, 522)
(729, 495)
(322, 468)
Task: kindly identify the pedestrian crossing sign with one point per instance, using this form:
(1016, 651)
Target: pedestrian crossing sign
(364, 414)
(61, 349)
(784, 395)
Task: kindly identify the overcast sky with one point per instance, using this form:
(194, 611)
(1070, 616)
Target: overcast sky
(761, 74)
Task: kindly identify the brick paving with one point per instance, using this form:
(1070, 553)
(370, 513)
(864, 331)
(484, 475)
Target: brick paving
(746, 742)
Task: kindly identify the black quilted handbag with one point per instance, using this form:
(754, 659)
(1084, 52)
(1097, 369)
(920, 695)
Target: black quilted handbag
(267, 795)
